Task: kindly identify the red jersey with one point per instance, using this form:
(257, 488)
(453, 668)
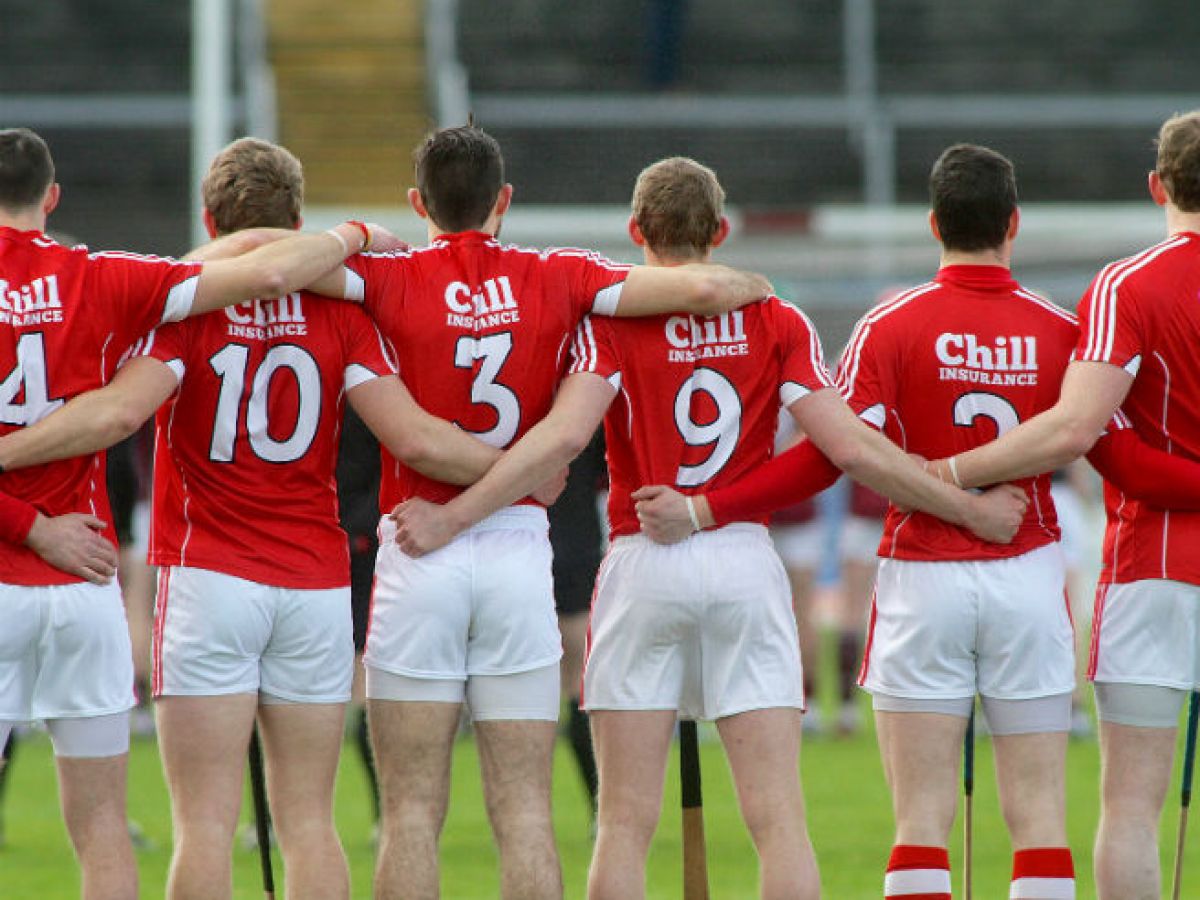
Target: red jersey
(1141, 313)
(66, 318)
(950, 365)
(245, 450)
(865, 503)
(697, 398)
(804, 512)
(481, 330)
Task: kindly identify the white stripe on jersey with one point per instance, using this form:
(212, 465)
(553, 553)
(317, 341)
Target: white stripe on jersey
(848, 373)
(180, 299)
(791, 391)
(1048, 306)
(1102, 317)
(134, 257)
(356, 374)
(606, 299)
(355, 288)
(816, 356)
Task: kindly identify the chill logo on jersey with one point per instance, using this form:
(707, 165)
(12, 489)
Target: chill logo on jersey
(489, 305)
(1007, 360)
(263, 320)
(30, 305)
(694, 339)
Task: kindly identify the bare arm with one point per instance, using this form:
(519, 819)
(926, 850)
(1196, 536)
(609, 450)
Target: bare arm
(536, 458)
(703, 289)
(869, 457)
(231, 245)
(94, 420)
(286, 265)
(1091, 393)
(432, 446)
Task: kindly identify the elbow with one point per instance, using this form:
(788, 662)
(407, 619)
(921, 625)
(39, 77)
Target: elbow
(124, 421)
(851, 457)
(569, 443)
(708, 299)
(269, 281)
(414, 448)
(1074, 440)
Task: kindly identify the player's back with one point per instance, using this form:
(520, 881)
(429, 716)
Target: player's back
(66, 318)
(948, 366)
(246, 448)
(1142, 314)
(698, 398)
(482, 331)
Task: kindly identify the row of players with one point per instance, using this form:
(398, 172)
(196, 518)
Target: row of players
(252, 609)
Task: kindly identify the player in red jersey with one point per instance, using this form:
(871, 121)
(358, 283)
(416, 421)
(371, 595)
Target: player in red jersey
(483, 332)
(705, 628)
(68, 317)
(1140, 327)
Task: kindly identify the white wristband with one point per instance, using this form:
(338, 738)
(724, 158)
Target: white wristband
(952, 464)
(691, 508)
(341, 240)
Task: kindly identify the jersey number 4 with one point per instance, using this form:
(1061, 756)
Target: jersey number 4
(28, 381)
(230, 365)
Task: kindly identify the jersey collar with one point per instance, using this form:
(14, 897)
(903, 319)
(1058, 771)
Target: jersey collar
(977, 278)
(460, 238)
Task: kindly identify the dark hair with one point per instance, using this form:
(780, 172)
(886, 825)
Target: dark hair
(973, 192)
(459, 174)
(251, 184)
(26, 169)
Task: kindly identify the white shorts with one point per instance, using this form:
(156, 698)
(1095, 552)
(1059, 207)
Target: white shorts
(481, 605)
(1147, 632)
(860, 539)
(64, 652)
(704, 626)
(217, 634)
(1000, 628)
(800, 546)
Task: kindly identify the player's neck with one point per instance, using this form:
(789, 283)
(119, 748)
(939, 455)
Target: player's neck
(997, 256)
(1178, 220)
(28, 220)
(672, 259)
(490, 227)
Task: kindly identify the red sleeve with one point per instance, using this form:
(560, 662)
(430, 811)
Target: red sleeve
(594, 349)
(144, 291)
(376, 280)
(1150, 476)
(16, 518)
(592, 282)
(783, 481)
(1111, 329)
(803, 368)
(367, 355)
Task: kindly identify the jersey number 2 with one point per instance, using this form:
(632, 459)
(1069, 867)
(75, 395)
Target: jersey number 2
(971, 406)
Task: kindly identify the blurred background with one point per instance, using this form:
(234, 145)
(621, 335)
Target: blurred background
(821, 118)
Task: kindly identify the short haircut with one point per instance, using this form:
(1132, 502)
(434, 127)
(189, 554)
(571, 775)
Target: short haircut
(459, 175)
(26, 168)
(1179, 160)
(678, 204)
(973, 192)
(253, 184)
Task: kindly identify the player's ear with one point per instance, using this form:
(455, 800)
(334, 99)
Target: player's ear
(1014, 224)
(722, 232)
(210, 223)
(1158, 190)
(635, 233)
(503, 200)
(933, 227)
(417, 203)
(50, 198)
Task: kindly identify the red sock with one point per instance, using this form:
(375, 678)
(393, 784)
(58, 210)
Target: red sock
(1044, 872)
(918, 873)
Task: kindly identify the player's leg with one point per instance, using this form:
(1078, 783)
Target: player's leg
(210, 632)
(631, 752)
(1026, 666)
(306, 671)
(413, 743)
(516, 722)
(763, 747)
(1143, 662)
(302, 742)
(203, 743)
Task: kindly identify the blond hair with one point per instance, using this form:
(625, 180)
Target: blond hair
(251, 184)
(678, 204)
(1178, 162)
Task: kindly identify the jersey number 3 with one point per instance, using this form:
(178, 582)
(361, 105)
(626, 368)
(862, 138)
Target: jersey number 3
(492, 350)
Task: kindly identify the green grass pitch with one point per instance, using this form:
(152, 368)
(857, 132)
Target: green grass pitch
(849, 816)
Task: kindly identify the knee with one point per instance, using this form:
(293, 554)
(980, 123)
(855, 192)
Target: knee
(633, 820)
